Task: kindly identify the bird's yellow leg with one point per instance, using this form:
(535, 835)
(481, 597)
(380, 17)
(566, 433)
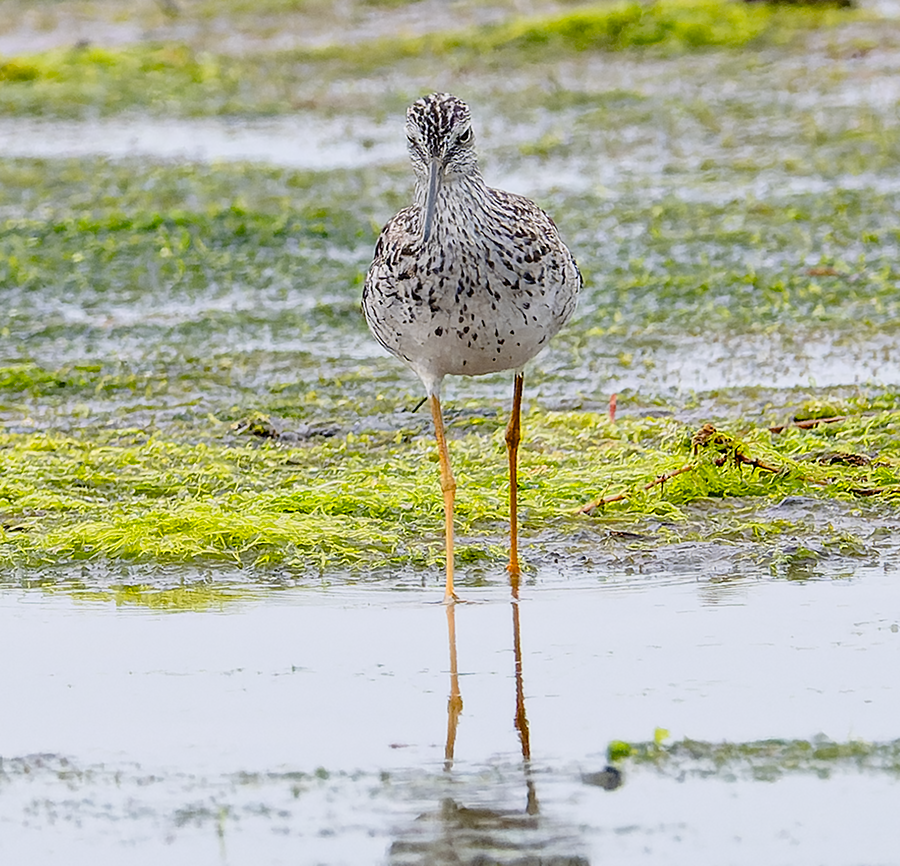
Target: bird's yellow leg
(512, 447)
(448, 486)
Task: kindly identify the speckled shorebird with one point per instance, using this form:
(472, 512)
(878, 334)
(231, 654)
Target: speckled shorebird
(466, 281)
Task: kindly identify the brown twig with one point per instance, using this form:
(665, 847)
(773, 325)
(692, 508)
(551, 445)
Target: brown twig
(618, 497)
(808, 423)
(875, 491)
(743, 460)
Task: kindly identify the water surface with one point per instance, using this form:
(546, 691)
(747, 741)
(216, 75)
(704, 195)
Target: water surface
(312, 723)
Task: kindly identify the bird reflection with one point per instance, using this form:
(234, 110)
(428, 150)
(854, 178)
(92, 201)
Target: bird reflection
(455, 702)
(460, 834)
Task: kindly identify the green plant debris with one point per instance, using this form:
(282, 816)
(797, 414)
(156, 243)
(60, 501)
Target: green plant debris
(113, 79)
(761, 760)
(720, 465)
(618, 750)
(165, 79)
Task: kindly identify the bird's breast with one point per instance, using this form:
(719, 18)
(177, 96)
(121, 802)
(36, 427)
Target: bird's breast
(485, 293)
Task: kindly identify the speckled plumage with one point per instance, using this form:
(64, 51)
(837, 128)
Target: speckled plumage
(492, 283)
(467, 280)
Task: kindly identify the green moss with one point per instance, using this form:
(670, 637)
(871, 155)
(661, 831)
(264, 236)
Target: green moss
(15, 70)
(763, 760)
(681, 24)
(618, 750)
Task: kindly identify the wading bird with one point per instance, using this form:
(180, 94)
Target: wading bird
(466, 281)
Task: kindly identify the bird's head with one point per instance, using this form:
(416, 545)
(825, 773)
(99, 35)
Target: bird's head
(441, 145)
(439, 128)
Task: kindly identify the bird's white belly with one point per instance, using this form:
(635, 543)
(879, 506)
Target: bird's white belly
(475, 342)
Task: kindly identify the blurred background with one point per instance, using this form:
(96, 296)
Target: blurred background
(219, 512)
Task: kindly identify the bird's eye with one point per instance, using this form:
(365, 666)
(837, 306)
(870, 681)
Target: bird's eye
(466, 136)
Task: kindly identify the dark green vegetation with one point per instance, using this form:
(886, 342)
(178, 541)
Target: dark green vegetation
(764, 760)
(185, 376)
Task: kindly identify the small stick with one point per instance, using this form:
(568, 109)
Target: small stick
(618, 497)
(808, 423)
(756, 464)
(874, 491)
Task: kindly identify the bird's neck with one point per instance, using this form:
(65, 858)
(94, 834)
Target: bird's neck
(459, 198)
(463, 188)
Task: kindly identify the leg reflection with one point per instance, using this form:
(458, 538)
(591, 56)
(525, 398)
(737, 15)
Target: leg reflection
(475, 823)
(454, 704)
(521, 720)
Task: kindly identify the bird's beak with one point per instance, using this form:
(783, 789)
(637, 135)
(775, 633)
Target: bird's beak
(434, 184)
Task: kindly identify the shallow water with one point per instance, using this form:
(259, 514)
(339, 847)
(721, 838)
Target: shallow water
(300, 141)
(199, 734)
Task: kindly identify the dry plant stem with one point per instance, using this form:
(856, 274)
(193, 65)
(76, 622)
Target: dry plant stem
(753, 463)
(740, 459)
(618, 497)
(448, 486)
(875, 491)
(809, 423)
(512, 446)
